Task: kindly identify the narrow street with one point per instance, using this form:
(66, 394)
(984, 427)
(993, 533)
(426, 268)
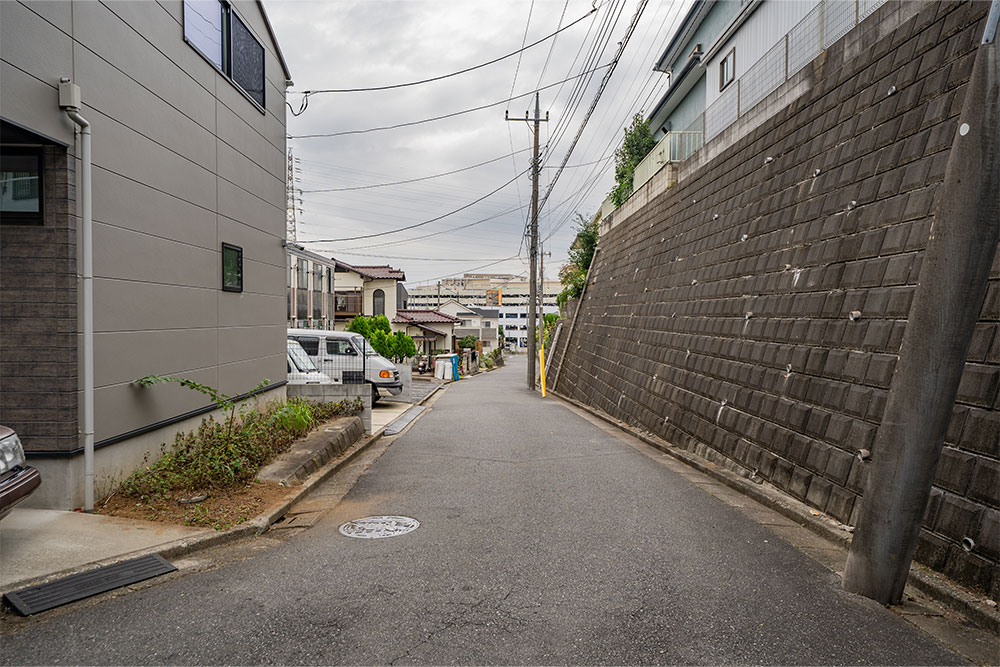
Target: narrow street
(543, 539)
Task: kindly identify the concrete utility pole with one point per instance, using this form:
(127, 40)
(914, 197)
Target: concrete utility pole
(946, 305)
(533, 253)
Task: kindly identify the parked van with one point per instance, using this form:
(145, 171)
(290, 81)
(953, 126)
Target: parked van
(301, 369)
(347, 357)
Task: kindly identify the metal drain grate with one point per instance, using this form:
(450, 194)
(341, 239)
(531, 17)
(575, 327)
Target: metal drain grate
(36, 599)
(374, 527)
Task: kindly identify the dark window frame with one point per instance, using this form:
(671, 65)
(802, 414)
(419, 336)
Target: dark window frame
(228, 15)
(375, 308)
(731, 70)
(238, 249)
(21, 217)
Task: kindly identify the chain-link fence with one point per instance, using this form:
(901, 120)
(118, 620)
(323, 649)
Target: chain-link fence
(336, 355)
(827, 22)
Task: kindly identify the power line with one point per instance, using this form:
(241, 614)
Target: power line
(419, 259)
(431, 280)
(461, 71)
(450, 115)
(444, 231)
(422, 178)
(419, 224)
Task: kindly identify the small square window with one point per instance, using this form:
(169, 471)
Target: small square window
(727, 69)
(21, 186)
(232, 268)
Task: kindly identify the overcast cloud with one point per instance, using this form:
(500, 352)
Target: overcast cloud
(348, 44)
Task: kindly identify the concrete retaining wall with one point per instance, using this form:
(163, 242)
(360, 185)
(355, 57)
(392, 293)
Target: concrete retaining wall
(755, 310)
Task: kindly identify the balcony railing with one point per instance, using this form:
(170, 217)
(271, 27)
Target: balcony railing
(673, 147)
(347, 304)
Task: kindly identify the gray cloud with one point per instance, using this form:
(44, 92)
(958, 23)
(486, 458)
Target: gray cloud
(345, 43)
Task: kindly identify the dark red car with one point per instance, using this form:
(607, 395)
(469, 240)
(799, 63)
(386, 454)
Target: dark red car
(17, 480)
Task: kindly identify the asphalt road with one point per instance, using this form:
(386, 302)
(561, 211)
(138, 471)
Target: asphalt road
(543, 540)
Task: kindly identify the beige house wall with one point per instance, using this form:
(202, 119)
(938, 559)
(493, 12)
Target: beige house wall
(182, 162)
(386, 285)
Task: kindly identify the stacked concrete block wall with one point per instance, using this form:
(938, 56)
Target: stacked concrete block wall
(754, 312)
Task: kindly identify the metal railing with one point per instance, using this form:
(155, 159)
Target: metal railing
(336, 357)
(673, 147)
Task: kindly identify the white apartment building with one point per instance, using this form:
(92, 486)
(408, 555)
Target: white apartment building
(504, 292)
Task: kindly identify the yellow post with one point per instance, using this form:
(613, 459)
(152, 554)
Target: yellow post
(541, 354)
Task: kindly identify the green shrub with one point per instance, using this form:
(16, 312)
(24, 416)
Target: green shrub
(229, 453)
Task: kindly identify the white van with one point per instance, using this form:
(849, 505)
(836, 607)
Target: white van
(348, 358)
(301, 369)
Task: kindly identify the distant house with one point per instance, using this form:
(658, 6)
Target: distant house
(478, 322)
(188, 198)
(383, 289)
(325, 293)
(430, 329)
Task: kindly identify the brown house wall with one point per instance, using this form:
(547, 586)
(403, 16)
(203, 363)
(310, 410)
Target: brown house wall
(719, 315)
(38, 316)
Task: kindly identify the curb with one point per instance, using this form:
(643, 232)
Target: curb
(930, 583)
(252, 528)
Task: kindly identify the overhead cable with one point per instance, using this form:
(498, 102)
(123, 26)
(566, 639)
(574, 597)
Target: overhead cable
(450, 115)
(456, 73)
(415, 180)
(420, 224)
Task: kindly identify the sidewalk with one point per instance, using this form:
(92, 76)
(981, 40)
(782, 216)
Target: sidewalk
(39, 543)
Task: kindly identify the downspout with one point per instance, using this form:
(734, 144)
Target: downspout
(69, 101)
(946, 305)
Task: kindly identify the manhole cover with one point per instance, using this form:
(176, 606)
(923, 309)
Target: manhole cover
(379, 526)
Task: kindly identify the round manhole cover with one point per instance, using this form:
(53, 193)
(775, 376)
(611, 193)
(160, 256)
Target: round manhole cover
(373, 527)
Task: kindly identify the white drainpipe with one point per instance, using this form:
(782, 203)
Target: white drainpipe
(69, 101)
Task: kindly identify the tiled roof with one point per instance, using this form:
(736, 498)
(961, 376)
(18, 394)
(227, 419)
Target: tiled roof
(383, 271)
(423, 317)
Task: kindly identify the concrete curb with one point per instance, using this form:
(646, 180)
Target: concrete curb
(256, 526)
(312, 452)
(930, 583)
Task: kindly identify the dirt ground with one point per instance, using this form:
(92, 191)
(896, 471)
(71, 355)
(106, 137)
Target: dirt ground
(222, 509)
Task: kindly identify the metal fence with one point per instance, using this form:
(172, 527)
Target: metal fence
(336, 357)
(673, 147)
(822, 26)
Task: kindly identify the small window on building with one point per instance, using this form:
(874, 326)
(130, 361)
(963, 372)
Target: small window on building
(378, 302)
(232, 268)
(727, 69)
(247, 61)
(21, 185)
(203, 29)
(217, 33)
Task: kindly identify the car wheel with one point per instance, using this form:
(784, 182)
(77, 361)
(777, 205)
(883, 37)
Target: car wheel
(375, 395)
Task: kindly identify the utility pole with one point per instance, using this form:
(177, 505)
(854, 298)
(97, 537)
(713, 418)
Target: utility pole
(533, 252)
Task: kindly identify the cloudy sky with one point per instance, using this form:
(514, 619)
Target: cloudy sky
(346, 44)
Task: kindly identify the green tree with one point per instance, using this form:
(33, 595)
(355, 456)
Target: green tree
(636, 145)
(396, 346)
(467, 341)
(574, 273)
